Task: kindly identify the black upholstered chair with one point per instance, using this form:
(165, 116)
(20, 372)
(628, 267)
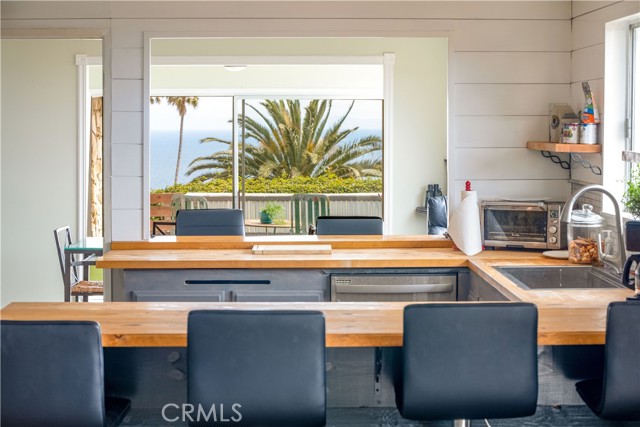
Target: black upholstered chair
(437, 219)
(616, 396)
(468, 361)
(209, 222)
(52, 375)
(270, 364)
(349, 225)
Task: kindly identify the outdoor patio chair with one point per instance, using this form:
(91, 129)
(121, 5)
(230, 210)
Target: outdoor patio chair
(349, 225)
(305, 210)
(210, 222)
(80, 287)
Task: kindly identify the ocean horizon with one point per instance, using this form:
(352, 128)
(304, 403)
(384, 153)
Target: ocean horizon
(164, 152)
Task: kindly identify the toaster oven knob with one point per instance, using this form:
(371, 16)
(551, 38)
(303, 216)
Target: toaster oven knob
(553, 229)
(553, 239)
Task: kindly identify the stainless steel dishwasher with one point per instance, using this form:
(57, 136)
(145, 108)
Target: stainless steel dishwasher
(393, 287)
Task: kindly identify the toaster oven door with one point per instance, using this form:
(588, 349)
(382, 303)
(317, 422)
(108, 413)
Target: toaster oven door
(516, 226)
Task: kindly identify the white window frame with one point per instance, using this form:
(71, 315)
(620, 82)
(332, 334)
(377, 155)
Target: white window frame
(83, 62)
(616, 106)
(387, 60)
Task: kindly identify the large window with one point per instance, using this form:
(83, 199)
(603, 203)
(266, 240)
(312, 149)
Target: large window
(633, 115)
(255, 150)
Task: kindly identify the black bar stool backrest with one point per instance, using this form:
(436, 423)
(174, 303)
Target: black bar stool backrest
(349, 225)
(53, 375)
(209, 222)
(270, 364)
(616, 396)
(468, 361)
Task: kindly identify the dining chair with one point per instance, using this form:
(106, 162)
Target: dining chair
(616, 395)
(305, 210)
(468, 361)
(52, 374)
(80, 287)
(210, 222)
(349, 225)
(270, 364)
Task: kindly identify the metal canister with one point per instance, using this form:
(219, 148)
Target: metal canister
(570, 133)
(588, 133)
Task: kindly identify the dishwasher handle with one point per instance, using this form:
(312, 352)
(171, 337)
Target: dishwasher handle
(393, 289)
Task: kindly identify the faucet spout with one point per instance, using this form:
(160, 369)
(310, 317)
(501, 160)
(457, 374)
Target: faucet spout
(618, 259)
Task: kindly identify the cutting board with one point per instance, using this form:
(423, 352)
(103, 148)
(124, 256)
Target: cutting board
(291, 249)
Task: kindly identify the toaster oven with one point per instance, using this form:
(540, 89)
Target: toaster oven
(523, 225)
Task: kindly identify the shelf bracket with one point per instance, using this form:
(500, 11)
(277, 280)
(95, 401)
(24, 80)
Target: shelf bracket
(555, 159)
(586, 164)
(596, 170)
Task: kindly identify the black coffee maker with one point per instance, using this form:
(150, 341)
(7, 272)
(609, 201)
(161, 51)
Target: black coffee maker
(632, 243)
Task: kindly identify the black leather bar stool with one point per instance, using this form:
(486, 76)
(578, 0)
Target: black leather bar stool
(261, 368)
(53, 376)
(468, 361)
(616, 396)
(209, 222)
(349, 225)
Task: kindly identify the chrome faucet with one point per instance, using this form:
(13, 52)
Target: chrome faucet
(617, 259)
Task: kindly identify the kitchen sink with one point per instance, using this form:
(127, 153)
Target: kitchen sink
(565, 277)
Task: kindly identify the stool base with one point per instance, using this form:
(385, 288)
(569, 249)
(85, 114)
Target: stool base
(461, 423)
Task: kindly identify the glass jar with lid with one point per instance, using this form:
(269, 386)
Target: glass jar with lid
(582, 235)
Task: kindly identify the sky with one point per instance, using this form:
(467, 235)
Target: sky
(216, 113)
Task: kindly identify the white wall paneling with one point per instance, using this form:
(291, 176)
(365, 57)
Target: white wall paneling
(514, 35)
(128, 221)
(126, 127)
(127, 192)
(127, 63)
(129, 159)
(587, 63)
(500, 131)
(512, 67)
(582, 7)
(508, 99)
(127, 94)
(505, 164)
(588, 29)
(529, 189)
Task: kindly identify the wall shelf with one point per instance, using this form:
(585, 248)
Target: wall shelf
(564, 148)
(574, 150)
(631, 156)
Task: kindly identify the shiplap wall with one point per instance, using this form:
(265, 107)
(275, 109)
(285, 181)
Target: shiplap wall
(508, 61)
(588, 64)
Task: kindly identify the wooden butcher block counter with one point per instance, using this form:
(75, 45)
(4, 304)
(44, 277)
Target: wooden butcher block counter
(567, 316)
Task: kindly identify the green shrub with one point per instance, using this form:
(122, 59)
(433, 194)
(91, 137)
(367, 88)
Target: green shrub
(300, 184)
(631, 198)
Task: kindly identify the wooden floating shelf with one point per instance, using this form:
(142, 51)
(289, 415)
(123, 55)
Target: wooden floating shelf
(631, 156)
(564, 148)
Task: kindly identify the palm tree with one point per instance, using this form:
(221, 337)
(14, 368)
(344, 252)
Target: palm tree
(294, 143)
(181, 103)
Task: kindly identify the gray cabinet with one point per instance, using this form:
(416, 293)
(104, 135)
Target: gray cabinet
(481, 290)
(269, 285)
(179, 296)
(277, 296)
(281, 285)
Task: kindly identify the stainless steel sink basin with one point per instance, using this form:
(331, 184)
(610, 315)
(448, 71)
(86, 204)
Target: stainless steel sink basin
(566, 277)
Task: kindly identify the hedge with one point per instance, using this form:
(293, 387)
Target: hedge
(300, 184)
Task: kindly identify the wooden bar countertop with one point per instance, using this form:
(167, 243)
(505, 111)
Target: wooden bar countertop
(566, 316)
(348, 324)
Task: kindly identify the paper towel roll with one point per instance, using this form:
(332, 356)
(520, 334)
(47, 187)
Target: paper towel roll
(464, 226)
